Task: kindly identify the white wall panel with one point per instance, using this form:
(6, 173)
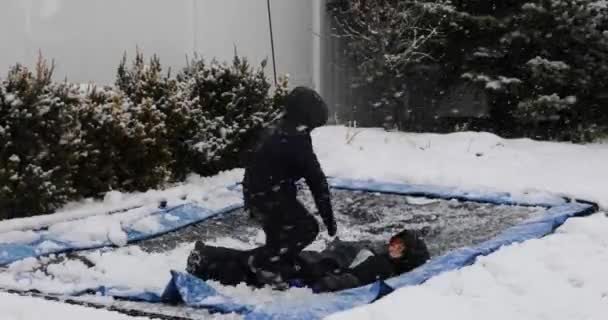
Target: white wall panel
(88, 37)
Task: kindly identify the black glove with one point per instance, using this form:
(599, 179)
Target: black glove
(332, 227)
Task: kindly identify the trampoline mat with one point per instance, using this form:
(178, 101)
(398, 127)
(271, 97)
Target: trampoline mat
(444, 224)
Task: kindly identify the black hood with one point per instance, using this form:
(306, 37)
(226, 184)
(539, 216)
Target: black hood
(305, 107)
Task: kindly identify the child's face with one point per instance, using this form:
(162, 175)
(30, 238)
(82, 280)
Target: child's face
(396, 249)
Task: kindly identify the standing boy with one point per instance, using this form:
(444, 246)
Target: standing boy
(282, 157)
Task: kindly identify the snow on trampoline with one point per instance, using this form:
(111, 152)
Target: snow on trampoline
(146, 265)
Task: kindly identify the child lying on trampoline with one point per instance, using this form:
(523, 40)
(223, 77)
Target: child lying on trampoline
(342, 265)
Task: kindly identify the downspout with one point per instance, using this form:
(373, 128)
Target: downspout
(194, 27)
(317, 9)
(274, 63)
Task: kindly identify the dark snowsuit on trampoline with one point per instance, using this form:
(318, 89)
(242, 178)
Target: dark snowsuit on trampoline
(344, 265)
(283, 156)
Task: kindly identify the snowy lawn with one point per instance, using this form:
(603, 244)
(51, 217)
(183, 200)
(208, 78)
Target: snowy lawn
(469, 160)
(24, 308)
(522, 281)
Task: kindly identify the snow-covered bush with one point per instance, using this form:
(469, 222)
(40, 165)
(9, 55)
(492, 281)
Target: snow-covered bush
(557, 49)
(545, 108)
(545, 49)
(39, 141)
(125, 144)
(61, 141)
(228, 104)
(104, 133)
(209, 110)
(383, 40)
(147, 98)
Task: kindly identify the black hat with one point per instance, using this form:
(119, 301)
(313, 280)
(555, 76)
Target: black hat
(408, 237)
(304, 106)
(416, 252)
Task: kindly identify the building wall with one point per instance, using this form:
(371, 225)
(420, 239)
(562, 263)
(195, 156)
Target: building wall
(87, 38)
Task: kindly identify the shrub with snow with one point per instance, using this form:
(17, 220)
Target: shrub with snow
(60, 141)
(146, 153)
(228, 104)
(383, 41)
(544, 64)
(39, 141)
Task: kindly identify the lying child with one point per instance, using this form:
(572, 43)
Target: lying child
(342, 265)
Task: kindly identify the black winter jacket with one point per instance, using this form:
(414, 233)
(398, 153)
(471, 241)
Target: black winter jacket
(284, 156)
(333, 269)
(336, 267)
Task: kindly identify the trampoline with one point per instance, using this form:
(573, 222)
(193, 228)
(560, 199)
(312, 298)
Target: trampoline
(457, 226)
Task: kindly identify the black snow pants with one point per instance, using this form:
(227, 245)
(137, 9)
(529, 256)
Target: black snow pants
(289, 228)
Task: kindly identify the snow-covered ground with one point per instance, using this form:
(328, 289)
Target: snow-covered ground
(467, 159)
(524, 281)
(14, 307)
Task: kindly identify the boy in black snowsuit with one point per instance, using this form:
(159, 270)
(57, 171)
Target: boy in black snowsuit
(282, 157)
(344, 265)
